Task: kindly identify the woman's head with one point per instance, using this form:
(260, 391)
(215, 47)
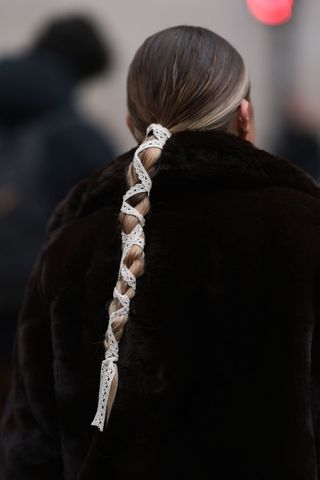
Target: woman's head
(188, 78)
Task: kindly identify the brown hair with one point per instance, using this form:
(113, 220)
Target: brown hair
(183, 78)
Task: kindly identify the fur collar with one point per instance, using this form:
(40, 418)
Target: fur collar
(191, 161)
(218, 159)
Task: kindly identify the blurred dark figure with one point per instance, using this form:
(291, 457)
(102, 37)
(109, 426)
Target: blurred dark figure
(46, 147)
(299, 141)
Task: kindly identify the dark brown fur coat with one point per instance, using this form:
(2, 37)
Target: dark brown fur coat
(220, 363)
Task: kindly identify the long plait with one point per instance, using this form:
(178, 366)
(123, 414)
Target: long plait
(135, 206)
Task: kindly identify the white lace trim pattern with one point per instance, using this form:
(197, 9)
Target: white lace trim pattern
(109, 370)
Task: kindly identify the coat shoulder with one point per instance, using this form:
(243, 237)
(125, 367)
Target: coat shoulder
(99, 190)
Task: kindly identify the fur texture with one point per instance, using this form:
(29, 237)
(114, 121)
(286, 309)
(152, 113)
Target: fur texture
(220, 364)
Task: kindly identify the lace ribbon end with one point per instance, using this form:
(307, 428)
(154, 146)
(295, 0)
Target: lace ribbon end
(108, 374)
(95, 423)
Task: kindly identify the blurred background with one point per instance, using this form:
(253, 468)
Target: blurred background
(63, 67)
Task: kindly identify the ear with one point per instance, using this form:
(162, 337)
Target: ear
(129, 123)
(244, 119)
(245, 124)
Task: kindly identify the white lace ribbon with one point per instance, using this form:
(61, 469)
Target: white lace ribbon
(109, 370)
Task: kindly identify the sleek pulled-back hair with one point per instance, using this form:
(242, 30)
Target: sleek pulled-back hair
(184, 78)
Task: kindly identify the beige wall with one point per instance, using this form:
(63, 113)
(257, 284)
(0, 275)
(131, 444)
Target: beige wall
(129, 22)
(307, 44)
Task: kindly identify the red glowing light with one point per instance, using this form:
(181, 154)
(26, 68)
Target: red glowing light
(271, 12)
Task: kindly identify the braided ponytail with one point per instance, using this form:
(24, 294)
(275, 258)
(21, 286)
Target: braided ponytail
(135, 206)
(187, 78)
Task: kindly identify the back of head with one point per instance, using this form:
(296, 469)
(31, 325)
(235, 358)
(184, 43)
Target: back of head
(77, 41)
(185, 78)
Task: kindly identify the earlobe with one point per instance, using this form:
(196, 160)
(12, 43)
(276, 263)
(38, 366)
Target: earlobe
(243, 120)
(129, 123)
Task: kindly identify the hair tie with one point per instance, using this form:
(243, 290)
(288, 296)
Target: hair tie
(109, 371)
